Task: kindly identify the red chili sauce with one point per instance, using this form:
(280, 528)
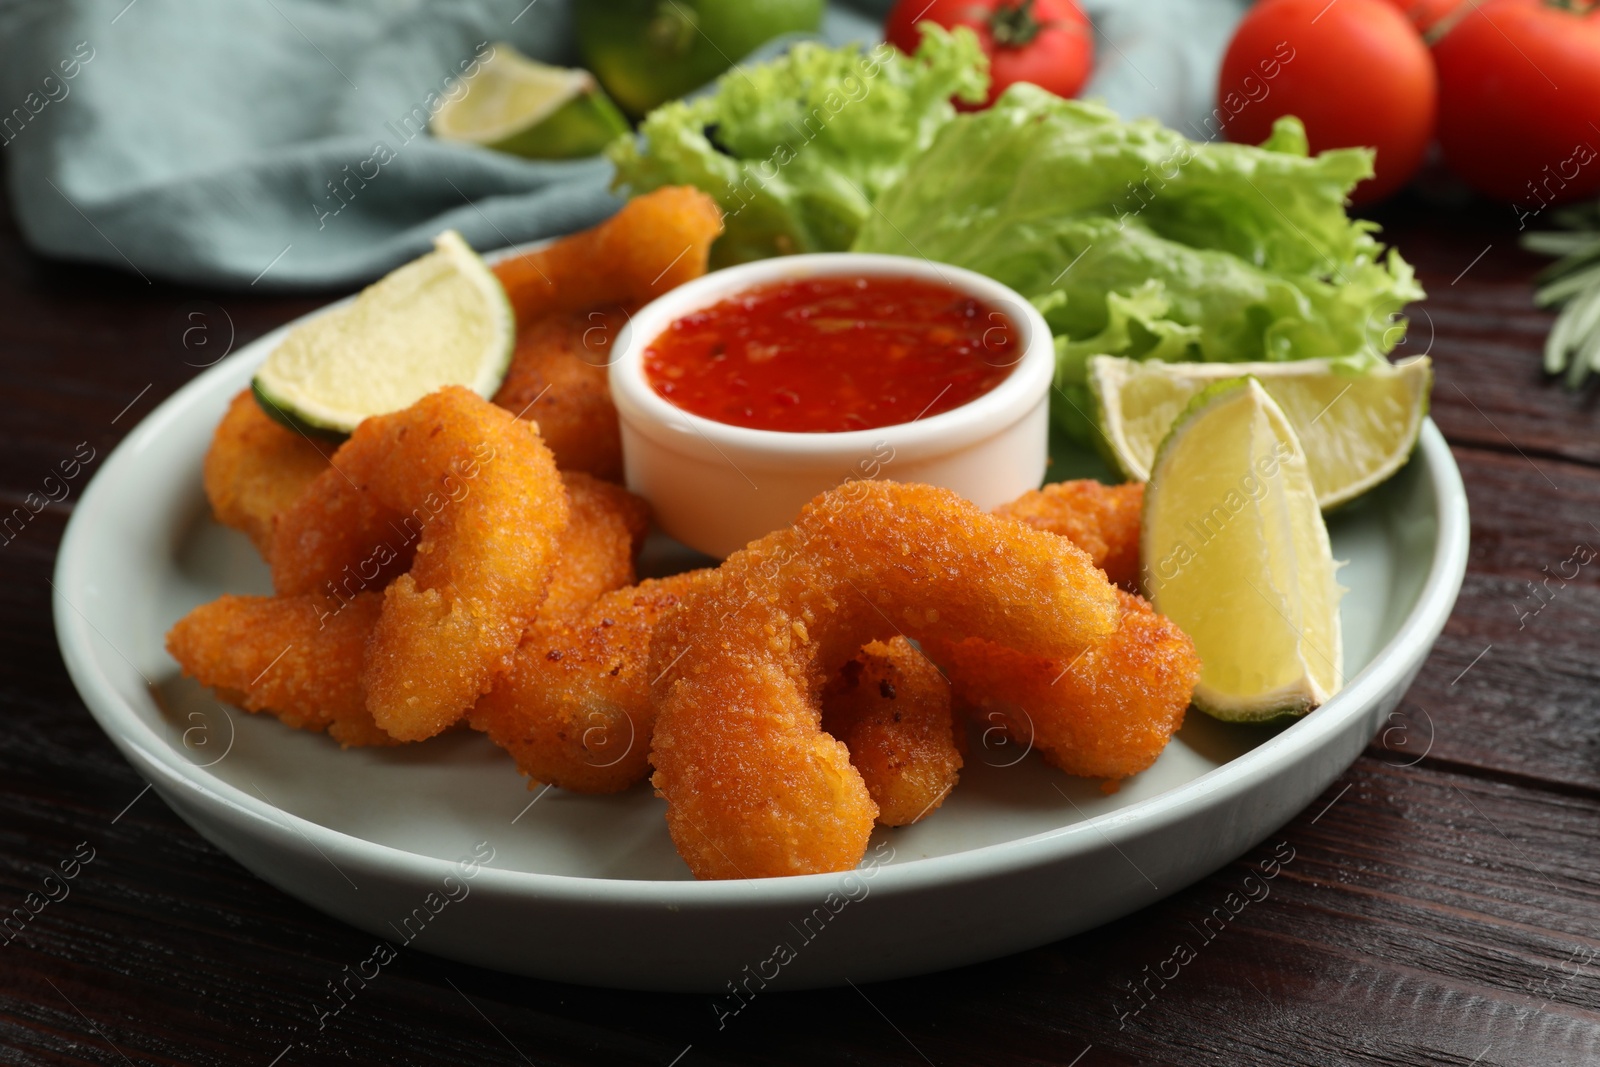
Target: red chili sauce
(837, 353)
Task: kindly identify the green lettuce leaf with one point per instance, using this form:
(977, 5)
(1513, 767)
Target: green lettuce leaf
(1135, 241)
(796, 150)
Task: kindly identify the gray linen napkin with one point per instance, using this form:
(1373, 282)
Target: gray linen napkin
(216, 142)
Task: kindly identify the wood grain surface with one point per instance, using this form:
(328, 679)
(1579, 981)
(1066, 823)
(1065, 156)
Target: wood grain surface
(1439, 905)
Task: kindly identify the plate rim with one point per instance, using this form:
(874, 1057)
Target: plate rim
(142, 745)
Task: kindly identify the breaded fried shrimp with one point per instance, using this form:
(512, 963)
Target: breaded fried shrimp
(656, 242)
(606, 527)
(753, 786)
(891, 708)
(286, 656)
(573, 297)
(1103, 520)
(558, 379)
(1107, 711)
(480, 494)
(575, 708)
(255, 468)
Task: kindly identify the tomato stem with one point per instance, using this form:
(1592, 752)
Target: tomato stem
(1576, 7)
(1014, 25)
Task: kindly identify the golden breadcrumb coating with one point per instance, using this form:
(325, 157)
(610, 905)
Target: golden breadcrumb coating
(754, 787)
(1103, 520)
(286, 655)
(255, 468)
(573, 297)
(891, 708)
(575, 708)
(1105, 711)
(478, 493)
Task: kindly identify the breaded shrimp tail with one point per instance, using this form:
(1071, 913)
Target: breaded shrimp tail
(656, 242)
(575, 708)
(574, 296)
(479, 495)
(255, 468)
(1107, 711)
(290, 656)
(1103, 520)
(891, 708)
(753, 786)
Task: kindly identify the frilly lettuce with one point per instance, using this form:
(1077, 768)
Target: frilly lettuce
(796, 150)
(1133, 240)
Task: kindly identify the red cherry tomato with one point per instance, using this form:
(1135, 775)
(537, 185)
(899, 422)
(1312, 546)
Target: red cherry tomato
(1046, 42)
(1354, 71)
(1519, 101)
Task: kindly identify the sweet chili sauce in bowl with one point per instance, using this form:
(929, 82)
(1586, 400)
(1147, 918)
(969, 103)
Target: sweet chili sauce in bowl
(833, 353)
(743, 394)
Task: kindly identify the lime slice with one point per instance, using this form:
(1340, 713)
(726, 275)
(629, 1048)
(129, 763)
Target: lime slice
(439, 320)
(1236, 553)
(1358, 426)
(514, 104)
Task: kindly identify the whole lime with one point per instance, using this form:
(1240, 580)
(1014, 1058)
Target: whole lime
(646, 52)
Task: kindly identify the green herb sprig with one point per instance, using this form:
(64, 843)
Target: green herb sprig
(1571, 283)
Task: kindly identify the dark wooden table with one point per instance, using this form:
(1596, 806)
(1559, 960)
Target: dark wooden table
(1441, 907)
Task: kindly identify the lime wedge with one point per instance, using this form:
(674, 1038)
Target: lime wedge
(1236, 553)
(515, 104)
(1358, 426)
(439, 320)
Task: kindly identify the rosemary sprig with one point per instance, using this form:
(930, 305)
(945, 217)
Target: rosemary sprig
(1573, 284)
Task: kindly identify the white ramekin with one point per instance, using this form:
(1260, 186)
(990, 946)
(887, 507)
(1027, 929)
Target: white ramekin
(716, 487)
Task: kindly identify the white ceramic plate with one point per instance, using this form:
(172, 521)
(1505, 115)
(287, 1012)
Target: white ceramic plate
(589, 889)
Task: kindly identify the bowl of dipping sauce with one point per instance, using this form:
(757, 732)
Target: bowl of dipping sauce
(745, 393)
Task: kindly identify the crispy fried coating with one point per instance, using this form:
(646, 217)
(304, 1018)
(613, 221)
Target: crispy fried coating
(1103, 520)
(558, 379)
(575, 708)
(1106, 711)
(572, 299)
(255, 468)
(230, 644)
(655, 243)
(605, 530)
(287, 656)
(891, 708)
(479, 494)
(753, 786)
